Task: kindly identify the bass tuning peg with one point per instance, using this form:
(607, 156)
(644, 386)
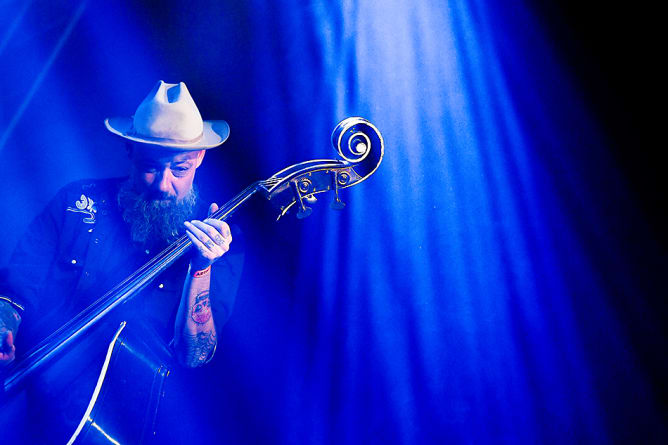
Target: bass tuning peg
(299, 189)
(339, 178)
(337, 204)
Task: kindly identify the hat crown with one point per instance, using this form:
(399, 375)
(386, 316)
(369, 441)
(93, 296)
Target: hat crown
(169, 113)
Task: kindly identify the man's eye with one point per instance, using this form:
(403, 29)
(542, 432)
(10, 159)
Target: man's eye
(180, 171)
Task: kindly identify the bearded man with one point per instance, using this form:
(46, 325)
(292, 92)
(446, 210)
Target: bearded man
(96, 232)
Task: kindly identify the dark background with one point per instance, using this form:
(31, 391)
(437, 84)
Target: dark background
(611, 51)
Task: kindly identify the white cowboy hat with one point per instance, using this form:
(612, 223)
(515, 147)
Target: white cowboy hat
(168, 117)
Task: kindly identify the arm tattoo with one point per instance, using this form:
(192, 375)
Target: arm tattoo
(200, 311)
(199, 347)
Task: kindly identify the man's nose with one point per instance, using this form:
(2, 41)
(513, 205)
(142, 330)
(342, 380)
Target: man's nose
(163, 184)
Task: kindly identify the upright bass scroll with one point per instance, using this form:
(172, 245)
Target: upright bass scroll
(361, 146)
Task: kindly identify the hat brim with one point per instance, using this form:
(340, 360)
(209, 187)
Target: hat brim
(214, 134)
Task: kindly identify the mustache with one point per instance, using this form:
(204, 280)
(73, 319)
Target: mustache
(156, 195)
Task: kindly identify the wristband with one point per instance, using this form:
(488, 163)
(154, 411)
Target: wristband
(201, 273)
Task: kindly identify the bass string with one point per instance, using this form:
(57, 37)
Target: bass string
(177, 248)
(170, 252)
(144, 273)
(183, 241)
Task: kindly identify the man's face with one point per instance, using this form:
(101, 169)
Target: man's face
(164, 175)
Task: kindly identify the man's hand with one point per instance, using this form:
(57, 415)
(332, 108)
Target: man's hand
(9, 323)
(7, 348)
(211, 239)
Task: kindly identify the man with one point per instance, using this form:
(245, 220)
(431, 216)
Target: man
(96, 232)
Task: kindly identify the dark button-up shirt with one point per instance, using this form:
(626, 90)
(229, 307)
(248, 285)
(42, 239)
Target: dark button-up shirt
(79, 247)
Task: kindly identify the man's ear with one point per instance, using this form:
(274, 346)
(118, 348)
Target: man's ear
(200, 158)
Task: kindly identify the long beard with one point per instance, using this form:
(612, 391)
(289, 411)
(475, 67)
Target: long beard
(155, 220)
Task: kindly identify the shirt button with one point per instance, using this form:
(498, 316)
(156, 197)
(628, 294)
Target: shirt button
(161, 285)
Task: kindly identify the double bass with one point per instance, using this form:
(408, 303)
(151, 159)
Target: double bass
(122, 397)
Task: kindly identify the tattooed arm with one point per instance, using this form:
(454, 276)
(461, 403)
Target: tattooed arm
(195, 332)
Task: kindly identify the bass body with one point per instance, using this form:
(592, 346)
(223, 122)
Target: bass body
(108, 389)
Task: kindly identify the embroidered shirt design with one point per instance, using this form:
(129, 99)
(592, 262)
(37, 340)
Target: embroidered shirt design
(86, 206)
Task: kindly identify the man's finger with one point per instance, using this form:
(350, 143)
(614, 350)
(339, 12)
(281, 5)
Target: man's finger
(6, 339)
(222, 227)
(213, 208)
(201, 236)
(211, 231)
(7, 348)
(205, 245)
(198, 244)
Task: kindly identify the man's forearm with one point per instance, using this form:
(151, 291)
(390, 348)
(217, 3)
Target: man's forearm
(194, 331)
